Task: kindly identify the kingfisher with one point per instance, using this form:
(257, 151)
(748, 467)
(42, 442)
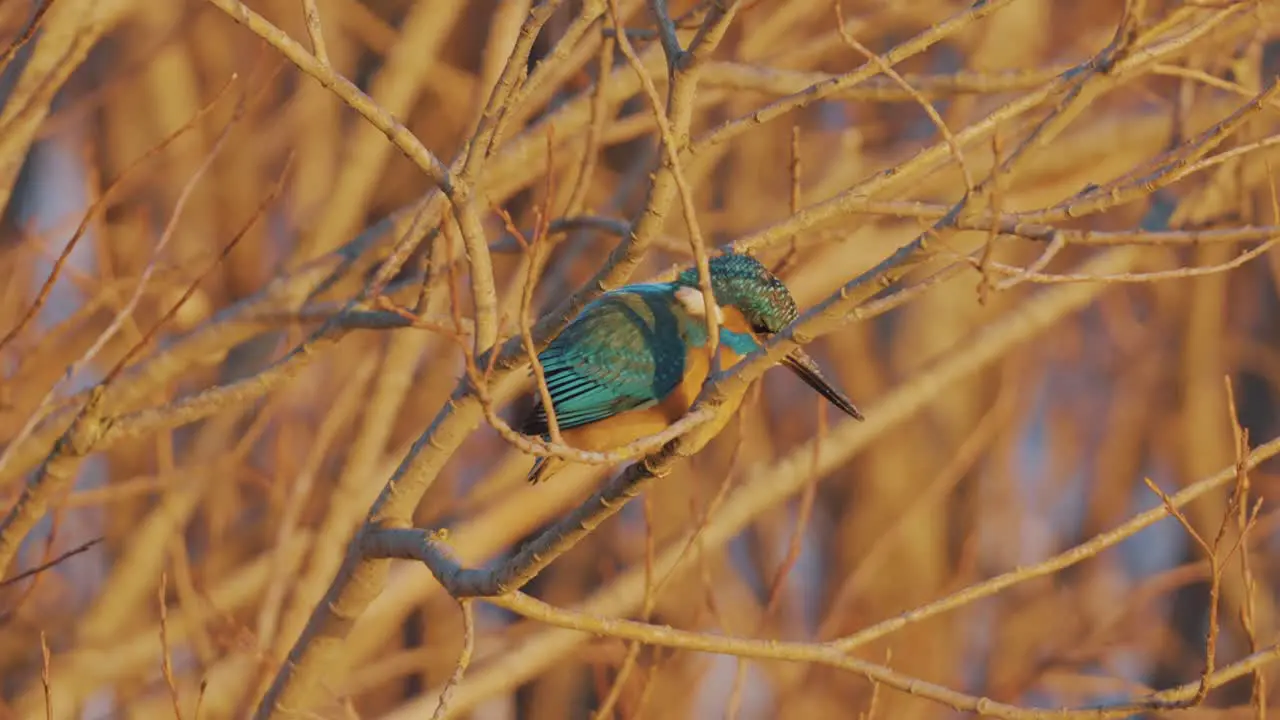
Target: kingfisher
(634, 360)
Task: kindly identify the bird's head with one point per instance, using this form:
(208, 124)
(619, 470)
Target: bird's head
(744, 284)
(741, 282)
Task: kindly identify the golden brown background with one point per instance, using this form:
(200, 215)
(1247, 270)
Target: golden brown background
(184, 208)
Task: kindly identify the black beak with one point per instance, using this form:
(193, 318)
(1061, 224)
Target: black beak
(804, 366)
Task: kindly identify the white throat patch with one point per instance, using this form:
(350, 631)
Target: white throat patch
(695, 304)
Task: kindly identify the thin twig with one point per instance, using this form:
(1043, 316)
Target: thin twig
(166, 662)
(536, 249)
(46, 679)
(595, 129)
(1032, 274)
(796, 170)
(25, 36)
(666, 33)
(51, 563)
(924, 104)
(464, 659)
(311, 14)
(1248, 610)
(672, 150)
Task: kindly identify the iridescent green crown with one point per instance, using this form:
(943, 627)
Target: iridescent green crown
(742, 282)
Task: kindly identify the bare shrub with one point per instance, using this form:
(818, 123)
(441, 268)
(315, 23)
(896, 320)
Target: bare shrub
(271, 273)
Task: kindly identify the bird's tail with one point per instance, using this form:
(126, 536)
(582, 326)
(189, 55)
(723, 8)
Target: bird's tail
(544, 468)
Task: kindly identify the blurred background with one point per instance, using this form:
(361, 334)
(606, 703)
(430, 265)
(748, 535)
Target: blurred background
(190, 162)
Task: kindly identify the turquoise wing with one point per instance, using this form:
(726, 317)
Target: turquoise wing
(625, 351)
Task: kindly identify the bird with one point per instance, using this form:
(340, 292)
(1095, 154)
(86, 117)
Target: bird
(633, 360)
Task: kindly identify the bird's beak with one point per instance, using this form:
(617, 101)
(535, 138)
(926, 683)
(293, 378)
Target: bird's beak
(804, 366)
